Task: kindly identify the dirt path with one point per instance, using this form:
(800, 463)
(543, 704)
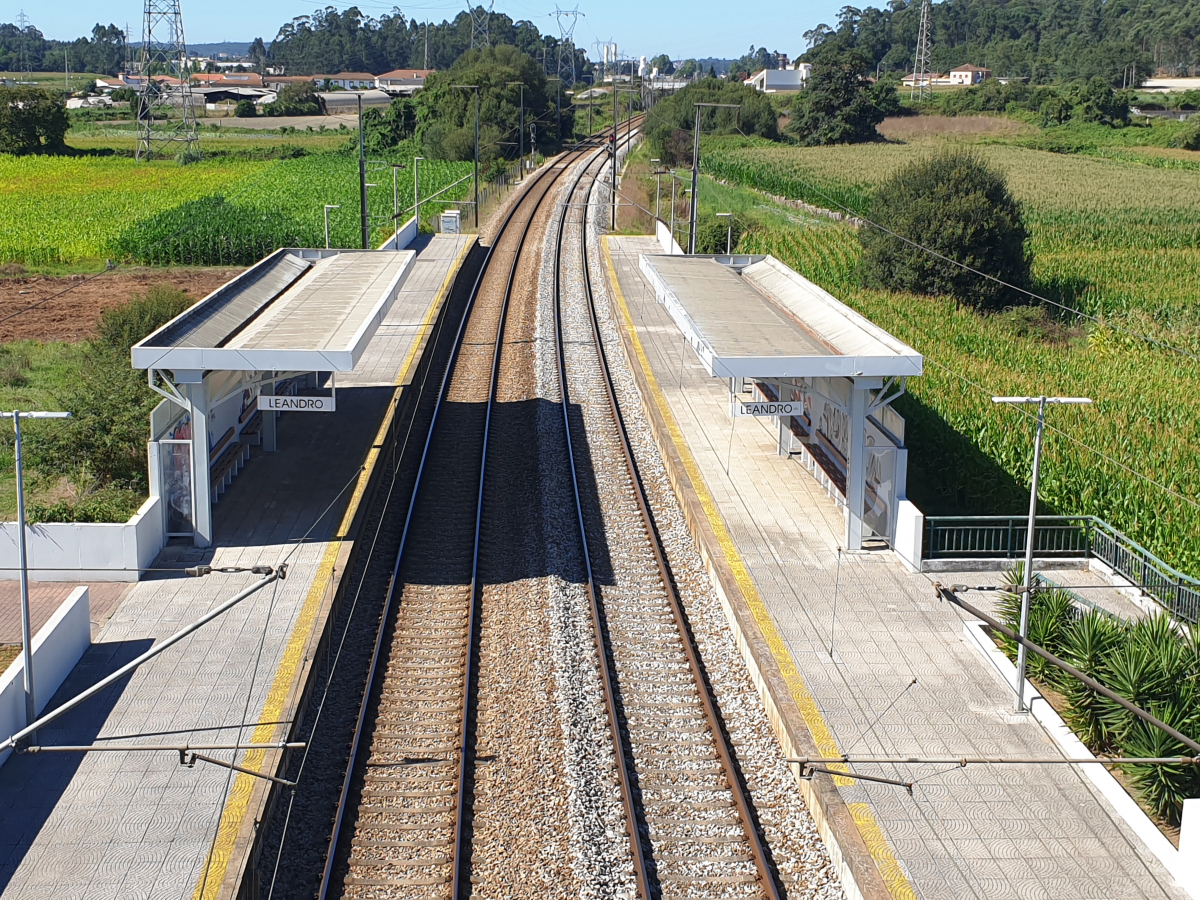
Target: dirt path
(72, 316)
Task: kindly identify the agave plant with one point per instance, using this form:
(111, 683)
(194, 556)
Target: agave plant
(1087, 644)
(1164, 788)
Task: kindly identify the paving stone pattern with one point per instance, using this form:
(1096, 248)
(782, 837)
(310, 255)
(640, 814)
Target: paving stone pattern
(139, 825)
(46, 596)
(983, 832)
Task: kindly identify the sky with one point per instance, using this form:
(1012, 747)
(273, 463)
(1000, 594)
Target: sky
(680, 29)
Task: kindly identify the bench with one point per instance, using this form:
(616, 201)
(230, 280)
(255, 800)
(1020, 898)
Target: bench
(227, 457)
(253, 428)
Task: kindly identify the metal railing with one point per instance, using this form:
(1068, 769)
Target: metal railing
(991, 537)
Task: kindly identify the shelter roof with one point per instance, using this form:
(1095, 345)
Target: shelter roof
(296, 310)
(753, 317)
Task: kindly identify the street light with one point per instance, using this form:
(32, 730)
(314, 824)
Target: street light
(396, 167)
(26, 631)
(521, 127)
(572, 102)
(328, 207)
(729, 232)
(1041, 402)
(417, 160)
(696, 169)
(475, 88)
(657, 163)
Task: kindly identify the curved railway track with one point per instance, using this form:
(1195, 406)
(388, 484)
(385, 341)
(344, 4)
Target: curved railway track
(403, 825)
(684, 801)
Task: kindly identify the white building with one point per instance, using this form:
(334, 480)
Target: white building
(969, 74)
(771, 80)
(402, 81)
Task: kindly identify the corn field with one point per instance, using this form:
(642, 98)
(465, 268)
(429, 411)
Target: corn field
(71, 210)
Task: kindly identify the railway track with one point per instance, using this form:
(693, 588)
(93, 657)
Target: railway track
(405, 818)
(692, 825)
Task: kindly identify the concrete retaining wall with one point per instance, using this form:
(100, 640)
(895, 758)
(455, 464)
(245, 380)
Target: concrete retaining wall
(408, 234)
(86, 551)
(56, 648)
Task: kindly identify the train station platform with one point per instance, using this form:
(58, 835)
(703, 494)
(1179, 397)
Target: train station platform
(138, 824)
(854, 654)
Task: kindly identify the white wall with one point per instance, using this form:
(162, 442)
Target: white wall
(663, 232)
(57, 647)
(408, 233)
(910, 533)
(86, 551)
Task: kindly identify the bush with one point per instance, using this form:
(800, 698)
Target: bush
(1189, 137)
(712, 233)
(245, 109)
(105, 505)
(124, 95)
(296, 100)
(32, 121)
(670, 123)
(956, 205)
(105, 439)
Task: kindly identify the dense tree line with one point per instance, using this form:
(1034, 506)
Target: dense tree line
(332, 40)
(1051, 40)
(670, 123)
(103, 53)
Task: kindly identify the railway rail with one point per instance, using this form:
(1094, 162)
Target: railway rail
(403, 822)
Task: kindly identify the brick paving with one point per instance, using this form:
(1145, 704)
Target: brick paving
(46, 596)
(139, 825)
(1001, 833)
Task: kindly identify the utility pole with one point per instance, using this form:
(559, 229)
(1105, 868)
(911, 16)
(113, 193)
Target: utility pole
(417, 160)
(521, 127)
(657, 163)
(614, 157)
(1019, 704)
(475, 88)
(328, 207)
(362, 182)
(921, 72)
(480, 20)
(396, 167)
(427, 46)
(696, 169)
(26, 628)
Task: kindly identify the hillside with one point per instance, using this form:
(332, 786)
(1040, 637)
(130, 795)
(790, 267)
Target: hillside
(1045, 40)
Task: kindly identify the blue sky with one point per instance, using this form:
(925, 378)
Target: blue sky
(698, 28)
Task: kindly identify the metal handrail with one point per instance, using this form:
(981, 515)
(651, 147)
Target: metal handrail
(991, 537)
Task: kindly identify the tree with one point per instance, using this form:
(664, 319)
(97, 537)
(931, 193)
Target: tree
(446, 113)
(670, 122)
(299, 99)
(245, 109)
(714, 233)
(957, 206)
(1098, 102)
(258, 55)
(839, 106)
(32, 121)
(663, 63)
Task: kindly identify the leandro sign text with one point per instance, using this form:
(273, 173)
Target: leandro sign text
(297, 404)
(767, 409)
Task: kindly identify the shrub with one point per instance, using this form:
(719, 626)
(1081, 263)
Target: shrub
(104, 505)
(958, 206)
(245, 109)
(1188, 137)
(32, 121)
(712, 233)
(840, 107)
(671, 121)
(110, 402)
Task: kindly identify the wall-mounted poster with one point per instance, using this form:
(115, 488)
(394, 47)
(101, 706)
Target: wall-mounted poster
(176, 459)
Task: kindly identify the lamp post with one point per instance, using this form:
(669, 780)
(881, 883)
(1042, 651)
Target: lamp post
(696, 169)
(475, 88)
(673, 185)
(521, 127)
(417, 160)
(729, 231)
(571, 94)
(328, 207)
(396, 167)
(26, 630)
(657, 163)
(1042, 402)
(362, 182)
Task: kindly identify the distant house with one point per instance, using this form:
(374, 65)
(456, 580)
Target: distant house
(350, 81)
(402, 81)
(769, 81)
(228, 79)
(279, 82)
(969, 74)
(929, 78)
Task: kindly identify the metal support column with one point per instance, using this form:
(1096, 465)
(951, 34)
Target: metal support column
(270, 421)
(856, 468)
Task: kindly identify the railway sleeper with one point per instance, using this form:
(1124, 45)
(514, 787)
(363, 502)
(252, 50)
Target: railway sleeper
(367, 842)
(406, 795)
(397, 882)
(418, 862)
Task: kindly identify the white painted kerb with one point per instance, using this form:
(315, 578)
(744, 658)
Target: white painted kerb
(57, 647)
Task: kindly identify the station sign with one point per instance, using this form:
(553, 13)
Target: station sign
(766, 408)
(297, 404)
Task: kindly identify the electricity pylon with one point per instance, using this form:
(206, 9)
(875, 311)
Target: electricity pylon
(165, 114)
(921, 73)
(567, 19)
(23, 25)
(479, 24)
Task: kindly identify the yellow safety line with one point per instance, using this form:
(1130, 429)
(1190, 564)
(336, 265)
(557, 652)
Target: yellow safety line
(893, 876)
(238, 803)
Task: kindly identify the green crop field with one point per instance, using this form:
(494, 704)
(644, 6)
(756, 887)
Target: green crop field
(1125, 238)
(79, 211)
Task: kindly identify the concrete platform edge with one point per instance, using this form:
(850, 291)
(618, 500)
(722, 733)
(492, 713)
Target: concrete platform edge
(854, 840)
(251, 799)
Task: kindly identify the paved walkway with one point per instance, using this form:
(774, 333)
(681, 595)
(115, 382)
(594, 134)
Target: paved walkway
(859, 629)
(139, 825)
(46, 596)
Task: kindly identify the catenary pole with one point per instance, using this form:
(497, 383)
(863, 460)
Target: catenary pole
(695, 206)
(362, 181)
(1027, 588)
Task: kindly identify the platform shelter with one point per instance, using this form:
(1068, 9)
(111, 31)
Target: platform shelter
(273, 339)
(793, 352)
